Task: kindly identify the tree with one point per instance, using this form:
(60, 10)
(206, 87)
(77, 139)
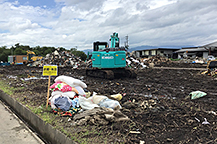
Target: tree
(12, 50)
(17, 45)
(3, 57)
(4, 53)
(80, 54)
(19, 51)
(48, 51)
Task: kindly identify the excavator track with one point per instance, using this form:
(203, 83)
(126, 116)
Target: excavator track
(111, 73)
(107, 74)
(131, 73)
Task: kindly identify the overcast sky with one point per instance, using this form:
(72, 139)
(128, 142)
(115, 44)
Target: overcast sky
(78, 23)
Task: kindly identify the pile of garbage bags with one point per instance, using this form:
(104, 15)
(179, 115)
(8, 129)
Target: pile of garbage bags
(70, 96)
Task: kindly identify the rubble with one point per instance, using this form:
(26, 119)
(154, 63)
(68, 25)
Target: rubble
(99, 116)
(65, 58)
(62, 59)
(193, 60)
(211, 69)
(156, 60)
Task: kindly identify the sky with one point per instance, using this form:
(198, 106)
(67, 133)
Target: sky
(79, 23)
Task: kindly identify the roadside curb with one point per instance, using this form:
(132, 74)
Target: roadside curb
(50, 134)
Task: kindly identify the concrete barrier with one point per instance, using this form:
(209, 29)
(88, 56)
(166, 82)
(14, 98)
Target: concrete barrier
(48, 133)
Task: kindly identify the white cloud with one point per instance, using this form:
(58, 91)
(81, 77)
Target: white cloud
(80, 23)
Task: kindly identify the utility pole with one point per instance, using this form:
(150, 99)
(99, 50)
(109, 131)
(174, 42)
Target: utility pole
(126, 42)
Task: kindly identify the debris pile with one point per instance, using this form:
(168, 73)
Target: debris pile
(135, 63)
(156, 60)
(193, 60)
(99, 116)
(65, 58)
(211, 68)
(61, 59)
(68, 97)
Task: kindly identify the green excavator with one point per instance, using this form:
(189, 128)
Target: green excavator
(109, 62)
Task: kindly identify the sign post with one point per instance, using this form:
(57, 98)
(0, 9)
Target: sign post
(49, 70)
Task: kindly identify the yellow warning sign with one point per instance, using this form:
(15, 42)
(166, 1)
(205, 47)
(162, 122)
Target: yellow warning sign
(50, 70)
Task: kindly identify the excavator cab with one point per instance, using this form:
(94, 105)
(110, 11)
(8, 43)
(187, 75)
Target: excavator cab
(99, 46)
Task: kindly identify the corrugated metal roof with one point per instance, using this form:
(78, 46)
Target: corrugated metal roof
(191, 50)
(162, 48)
(214, 44)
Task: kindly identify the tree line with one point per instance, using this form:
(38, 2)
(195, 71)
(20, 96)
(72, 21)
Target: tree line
(18, 49)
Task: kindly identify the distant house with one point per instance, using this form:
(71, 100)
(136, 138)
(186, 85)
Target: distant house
(192, 52)
(17, 59)
(201, 51)
(212, 48)
(163, 51)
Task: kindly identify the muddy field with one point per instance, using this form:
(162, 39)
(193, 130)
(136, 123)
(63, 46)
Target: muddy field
(168, 115)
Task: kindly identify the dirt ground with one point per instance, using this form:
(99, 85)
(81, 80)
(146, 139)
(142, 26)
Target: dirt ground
(155, 102)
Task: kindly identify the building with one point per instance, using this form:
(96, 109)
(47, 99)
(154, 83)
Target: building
(17, 59)
(163, 51)
(201, 51)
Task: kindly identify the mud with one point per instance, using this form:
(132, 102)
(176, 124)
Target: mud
(156, 102)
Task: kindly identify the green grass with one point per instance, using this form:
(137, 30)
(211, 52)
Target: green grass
(174, 59)
(5, 88)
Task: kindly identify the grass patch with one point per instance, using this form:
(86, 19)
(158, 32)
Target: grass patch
(6, 88)
(174, 59)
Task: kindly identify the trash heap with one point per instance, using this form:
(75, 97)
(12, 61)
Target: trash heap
(156, 60)
(70, 98)
(61, 59)
(211, 68)
(193, 60)
(64, 58)
(135, 63)
(210, 72)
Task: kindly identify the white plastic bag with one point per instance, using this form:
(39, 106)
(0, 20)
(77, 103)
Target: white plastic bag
(109, 103)
(70, 81)
(80, 90)
(87, 104)
(98, 98)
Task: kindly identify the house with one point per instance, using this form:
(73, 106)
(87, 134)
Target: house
(212, 48)
(163, 51)
(201, 51)
(192, 52)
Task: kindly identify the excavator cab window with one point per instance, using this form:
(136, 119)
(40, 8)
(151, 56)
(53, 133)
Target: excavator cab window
(102, 47)
(99, 46)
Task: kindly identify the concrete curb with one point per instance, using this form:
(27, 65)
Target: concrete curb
(50, 134)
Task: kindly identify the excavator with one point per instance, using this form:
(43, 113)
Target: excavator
(109, 62)
(31, 57)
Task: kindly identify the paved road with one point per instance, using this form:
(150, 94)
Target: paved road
(13, 130)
